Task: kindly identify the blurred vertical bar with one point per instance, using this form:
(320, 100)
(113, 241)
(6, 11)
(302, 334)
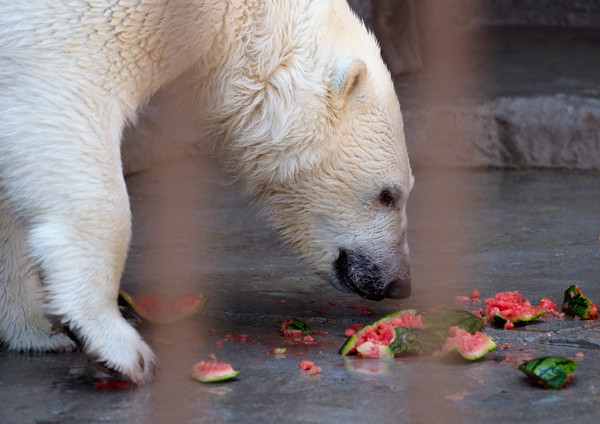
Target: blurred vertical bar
(428, 43)
(170, 204)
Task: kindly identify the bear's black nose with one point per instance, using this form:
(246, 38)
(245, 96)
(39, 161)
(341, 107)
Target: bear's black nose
(357, 272)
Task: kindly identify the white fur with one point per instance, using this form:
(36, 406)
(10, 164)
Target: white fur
(264, 78)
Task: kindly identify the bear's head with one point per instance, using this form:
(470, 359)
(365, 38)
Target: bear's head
(320, 144)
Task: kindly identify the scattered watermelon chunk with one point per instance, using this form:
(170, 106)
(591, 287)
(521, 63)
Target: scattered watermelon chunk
(550, 307)
(551, 372)
(306, 365)
(163, 311)
(277, 351)
(295, 327)
(575, 303)
(210, 372)
(469, 346)
(510, 306)
(352, 329)
(112, 385)
(310, 367)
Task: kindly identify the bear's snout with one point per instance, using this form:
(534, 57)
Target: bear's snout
(357, 272)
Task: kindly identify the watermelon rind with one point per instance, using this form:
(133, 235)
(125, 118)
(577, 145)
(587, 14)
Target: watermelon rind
(213, 377)
(349, 345)
(499, 320)
(575, 303)
(553, 372)
(137, 304)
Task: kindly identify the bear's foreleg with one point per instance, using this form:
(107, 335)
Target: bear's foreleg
(64, 180)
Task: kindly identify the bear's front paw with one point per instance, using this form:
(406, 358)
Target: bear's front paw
(120, 351)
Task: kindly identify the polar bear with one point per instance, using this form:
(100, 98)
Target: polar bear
(295, 94)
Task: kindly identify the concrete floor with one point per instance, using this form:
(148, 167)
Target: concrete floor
(532, 231)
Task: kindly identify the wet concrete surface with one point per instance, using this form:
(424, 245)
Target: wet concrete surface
(532, 231)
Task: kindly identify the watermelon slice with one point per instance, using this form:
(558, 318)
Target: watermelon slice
(508, 308)
(469, 346)
(575, 303)
(162, 311)
(211, 372)
(552, 372)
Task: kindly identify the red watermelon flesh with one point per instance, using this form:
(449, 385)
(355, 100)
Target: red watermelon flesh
(383, 332)
(550, 307)
(469, 346)
(512, 307)
(209, 372)
(163, 311)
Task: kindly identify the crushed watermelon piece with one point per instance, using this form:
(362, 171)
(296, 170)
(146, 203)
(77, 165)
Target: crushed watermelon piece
(308, 339)
(310, 367)
(306, 365)
(550, 307)
(474, 294)
(314, 370)
(510, 306)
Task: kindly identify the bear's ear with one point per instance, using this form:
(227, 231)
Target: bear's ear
(351, 77)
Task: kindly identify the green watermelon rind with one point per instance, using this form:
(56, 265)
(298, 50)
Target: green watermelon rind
(577, 304)
(551, 371)
(350, 344)
(216, 379)
(499, 320)
(212, 376)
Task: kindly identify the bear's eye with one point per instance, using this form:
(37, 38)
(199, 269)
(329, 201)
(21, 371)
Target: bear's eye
(389, 197)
